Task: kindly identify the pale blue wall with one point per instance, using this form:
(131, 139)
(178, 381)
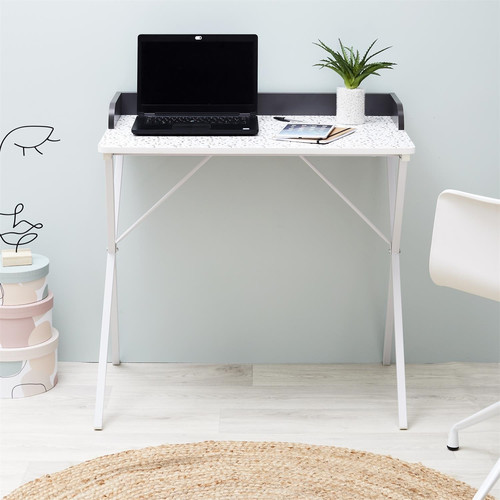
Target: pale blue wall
(254, 259)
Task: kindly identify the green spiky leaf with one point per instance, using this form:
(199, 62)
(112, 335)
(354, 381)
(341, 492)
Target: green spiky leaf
(348, 64)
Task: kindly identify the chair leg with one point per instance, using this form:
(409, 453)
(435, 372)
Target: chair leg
(489, 482)
(485, 413)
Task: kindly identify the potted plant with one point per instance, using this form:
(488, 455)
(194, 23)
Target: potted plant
(353, 69)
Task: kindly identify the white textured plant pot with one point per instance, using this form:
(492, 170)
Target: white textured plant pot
(350, 106)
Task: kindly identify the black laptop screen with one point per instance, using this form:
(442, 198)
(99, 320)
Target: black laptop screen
(197, 73)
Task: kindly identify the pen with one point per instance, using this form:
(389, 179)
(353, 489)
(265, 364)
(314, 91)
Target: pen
(283, 119)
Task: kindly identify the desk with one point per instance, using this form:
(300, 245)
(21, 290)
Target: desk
(379, 136)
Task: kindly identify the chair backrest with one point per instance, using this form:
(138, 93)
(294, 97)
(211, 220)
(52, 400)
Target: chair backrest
(465, 248)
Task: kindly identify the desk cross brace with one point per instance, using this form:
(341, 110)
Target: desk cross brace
(345, 199)
(396, 169)
(164, 198)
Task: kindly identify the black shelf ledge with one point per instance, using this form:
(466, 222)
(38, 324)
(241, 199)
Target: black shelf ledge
(125, 103)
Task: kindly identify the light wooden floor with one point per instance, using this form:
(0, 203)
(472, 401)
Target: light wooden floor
(342, 405)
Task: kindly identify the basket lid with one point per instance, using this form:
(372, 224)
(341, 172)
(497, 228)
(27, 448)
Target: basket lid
(23, 274)
(28, 310)
(31, 352)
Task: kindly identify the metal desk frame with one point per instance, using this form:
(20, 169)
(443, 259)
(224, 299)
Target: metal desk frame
(377, 105)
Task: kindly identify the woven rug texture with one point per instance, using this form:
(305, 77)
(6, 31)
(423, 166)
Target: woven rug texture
(245, 470)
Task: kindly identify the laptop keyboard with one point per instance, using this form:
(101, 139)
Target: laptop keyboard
(196, 125)
(212, 120)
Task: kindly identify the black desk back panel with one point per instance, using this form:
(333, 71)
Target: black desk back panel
(125, 103)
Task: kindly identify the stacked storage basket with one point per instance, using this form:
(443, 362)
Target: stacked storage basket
(28, 342)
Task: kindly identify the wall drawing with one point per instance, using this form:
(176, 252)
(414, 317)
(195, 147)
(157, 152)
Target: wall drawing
(24, 231)
(29, 137)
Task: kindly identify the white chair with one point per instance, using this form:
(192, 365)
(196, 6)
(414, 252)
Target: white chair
(465, 255)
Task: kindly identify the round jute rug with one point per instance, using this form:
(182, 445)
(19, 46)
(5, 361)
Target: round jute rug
(239, 470)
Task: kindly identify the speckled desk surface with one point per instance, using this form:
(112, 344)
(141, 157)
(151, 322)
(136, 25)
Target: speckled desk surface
(378, 136)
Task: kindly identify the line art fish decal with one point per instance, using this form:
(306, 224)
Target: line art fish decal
(29, 137)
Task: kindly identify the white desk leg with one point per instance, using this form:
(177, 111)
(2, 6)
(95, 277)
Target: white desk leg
(115, 344)
(389, 324)
(392, 176)
(399, 343)
(396, 293)
(109, 294)
(115, 341)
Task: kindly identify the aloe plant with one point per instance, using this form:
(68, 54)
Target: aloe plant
(350, 66)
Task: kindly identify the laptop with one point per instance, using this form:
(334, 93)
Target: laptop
(196, 85)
